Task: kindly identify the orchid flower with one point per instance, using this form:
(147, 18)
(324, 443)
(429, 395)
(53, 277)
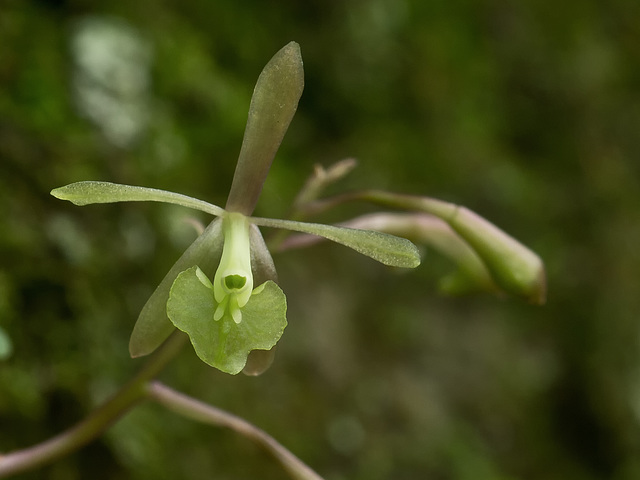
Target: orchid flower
(242, 309)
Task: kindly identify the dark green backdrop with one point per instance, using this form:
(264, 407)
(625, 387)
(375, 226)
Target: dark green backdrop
(528, 112)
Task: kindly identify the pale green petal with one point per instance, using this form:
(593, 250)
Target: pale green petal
(223, 344)
(86, 193)
(153, 327)
(386, 249)
(274, 102)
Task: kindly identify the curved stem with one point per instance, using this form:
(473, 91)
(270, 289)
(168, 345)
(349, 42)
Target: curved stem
(98, 421)
(136, 390)
(202, 412)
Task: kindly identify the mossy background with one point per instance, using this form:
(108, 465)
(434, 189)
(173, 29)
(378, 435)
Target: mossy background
(527, 112)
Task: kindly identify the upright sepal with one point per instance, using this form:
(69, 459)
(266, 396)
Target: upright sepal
(274, 102)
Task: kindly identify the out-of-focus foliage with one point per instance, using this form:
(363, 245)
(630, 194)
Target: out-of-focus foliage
(526, 112)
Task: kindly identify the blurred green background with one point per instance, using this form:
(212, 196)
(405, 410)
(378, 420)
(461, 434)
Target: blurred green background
(527, 112)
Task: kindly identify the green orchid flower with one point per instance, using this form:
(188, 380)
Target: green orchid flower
(242, 310)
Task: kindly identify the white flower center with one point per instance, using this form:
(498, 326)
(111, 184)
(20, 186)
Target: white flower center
(233, 282)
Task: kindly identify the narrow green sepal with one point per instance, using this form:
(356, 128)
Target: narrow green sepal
(90, 192)
(387, 249)
(273, 104)
(153, 327)
(224, 344)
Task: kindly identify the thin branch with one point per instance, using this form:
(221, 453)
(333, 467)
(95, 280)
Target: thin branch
(318, 181)
(314, 186)
(97, 422)
(136, 390)
(202, 412)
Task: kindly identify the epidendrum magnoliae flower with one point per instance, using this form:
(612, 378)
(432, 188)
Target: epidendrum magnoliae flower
(242, 309)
